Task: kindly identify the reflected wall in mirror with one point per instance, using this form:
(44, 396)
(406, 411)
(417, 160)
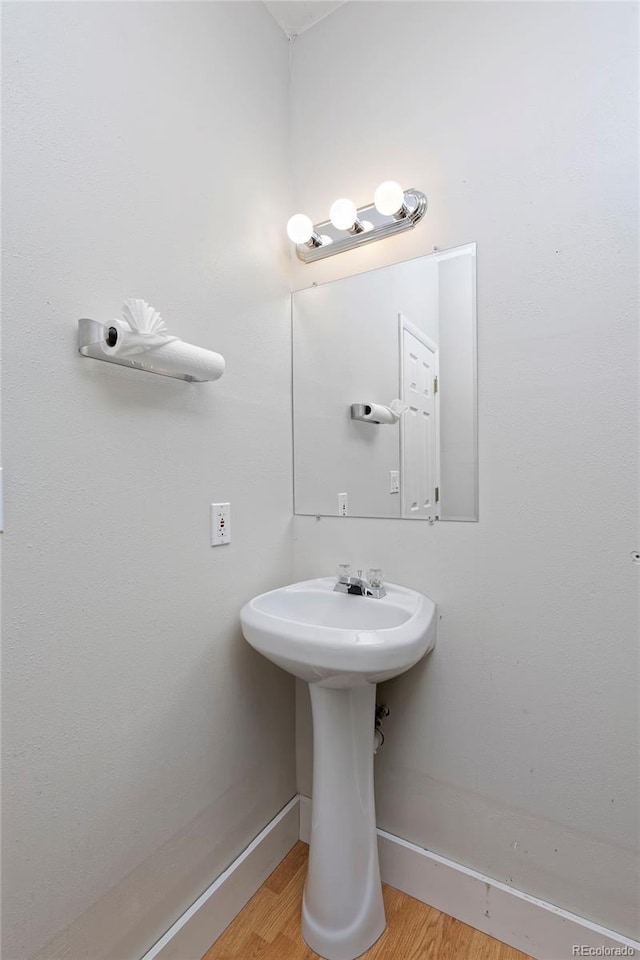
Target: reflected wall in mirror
(384, 392)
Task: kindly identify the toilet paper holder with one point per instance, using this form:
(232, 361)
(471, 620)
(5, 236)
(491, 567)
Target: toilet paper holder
(91, 336)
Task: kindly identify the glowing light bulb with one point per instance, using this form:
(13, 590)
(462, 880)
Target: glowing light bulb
(388, 198)
(299, 228)
(343, 214)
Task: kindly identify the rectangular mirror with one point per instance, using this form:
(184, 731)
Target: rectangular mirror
(384, 392)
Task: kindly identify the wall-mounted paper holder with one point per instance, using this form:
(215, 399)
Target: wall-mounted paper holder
(204, 365)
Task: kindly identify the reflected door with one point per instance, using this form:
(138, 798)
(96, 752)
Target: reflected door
(419, 428)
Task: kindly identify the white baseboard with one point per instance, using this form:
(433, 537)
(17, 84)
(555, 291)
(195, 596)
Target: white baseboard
(194, 932)
(537, 928)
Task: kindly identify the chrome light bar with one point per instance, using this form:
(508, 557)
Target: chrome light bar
(369, 225)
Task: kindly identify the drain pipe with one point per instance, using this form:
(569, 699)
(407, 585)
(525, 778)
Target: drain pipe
(382, 711)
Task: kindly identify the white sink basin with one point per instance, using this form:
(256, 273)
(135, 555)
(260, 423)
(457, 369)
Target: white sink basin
(339, 640)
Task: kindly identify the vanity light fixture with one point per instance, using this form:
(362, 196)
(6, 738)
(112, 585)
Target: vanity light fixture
(393, 210)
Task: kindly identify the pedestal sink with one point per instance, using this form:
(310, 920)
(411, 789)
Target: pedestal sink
(342, 645)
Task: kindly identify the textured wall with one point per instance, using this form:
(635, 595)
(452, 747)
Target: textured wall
(514, 747)
(145, 744)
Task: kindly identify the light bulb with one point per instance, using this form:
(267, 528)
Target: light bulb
(300, 228)
(343, 214)
(388, 198)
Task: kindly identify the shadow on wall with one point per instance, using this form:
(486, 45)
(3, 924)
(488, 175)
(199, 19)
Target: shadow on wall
(189, 860)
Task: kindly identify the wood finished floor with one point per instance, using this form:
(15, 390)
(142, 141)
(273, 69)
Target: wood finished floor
(268, 928)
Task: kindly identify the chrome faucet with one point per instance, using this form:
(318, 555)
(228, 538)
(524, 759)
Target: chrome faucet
(358, 586)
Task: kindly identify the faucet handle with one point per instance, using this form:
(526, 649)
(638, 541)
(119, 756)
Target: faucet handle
(344, 572)
(375, 577)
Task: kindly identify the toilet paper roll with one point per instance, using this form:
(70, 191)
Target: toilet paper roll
(185, 359)
(168, 355)
(380, 413)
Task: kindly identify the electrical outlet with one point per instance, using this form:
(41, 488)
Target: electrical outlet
(394, 481)
(220, 524)
(342, 505)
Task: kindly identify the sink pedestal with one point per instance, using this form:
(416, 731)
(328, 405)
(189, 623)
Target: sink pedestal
(342, 909)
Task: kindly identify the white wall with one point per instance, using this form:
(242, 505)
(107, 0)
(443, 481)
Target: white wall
(146, 744)
(513, 748)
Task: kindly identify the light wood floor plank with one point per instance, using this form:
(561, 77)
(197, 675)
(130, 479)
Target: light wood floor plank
(295, 860)
(268, 928)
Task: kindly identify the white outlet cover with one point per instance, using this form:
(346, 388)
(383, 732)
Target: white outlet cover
(220, 524)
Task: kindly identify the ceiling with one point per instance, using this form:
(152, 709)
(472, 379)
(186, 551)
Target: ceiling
(296, 16)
